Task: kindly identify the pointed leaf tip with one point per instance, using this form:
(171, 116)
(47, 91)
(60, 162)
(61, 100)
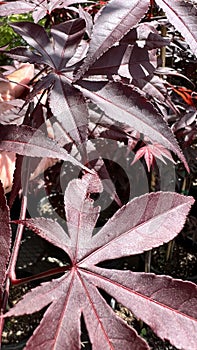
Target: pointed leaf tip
(114, 21)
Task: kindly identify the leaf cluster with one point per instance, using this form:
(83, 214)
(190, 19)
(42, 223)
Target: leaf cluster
(98, 76)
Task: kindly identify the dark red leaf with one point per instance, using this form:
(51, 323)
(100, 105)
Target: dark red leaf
(108, 63)
(66, 102)
(145, 35)
(36, 36)
(69, 107)
(23, 54)
(167, 305)
(66, 37)
(148, 215)
(139, 63)
(31, 142)
(113, 22)
(182, 14)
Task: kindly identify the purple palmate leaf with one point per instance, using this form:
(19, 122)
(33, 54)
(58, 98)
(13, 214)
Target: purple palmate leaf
(56, 53)
(5, 237)
(66, 37)
(109, 62)
(182, 14)
(142, 38)
(168, 306)
(36, 36)
(66, 102)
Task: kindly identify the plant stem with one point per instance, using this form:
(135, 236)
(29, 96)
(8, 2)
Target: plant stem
(147, 256)
(12, 263)
(163, 49)
(3, 306)
(154, 185)
(170, 249)
(41, 275)
(16, 247)
(184, 190)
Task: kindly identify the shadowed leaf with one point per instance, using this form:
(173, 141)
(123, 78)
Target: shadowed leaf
(113, 22)
(182, 15)
(124, 104)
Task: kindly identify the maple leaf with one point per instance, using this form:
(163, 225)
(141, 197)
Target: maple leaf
(66, 102)
(167, 305)
(150, 151)
(135, 57)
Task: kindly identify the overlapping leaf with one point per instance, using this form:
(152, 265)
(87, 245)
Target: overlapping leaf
(182, 14)
(66, 102)
(114, 21)
(66, 37)
(69, 106)
(153, 219)
(31, 142)
(144, 37)
(123, 104)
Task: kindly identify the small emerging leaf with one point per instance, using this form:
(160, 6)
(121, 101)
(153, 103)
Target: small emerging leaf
(150, 152)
